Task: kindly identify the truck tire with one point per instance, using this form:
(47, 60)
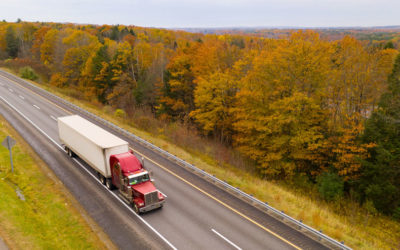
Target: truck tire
(102, 179)
(135, 207)
(109, 184)
(67, 150)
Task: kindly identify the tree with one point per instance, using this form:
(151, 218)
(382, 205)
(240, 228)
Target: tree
(330, 186)
(48, 47)
(380, 173)
(38, 40)
(214, 99)
(284, 136)
(176, 94)
(12, 42)
(280, 121)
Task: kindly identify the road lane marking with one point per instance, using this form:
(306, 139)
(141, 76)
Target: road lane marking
(52, 103)
(52, 117)
(226, 239)
(20, 96)
(116, 196)
(11, 89)
(26, 118)
(36, 106)
(220, 202)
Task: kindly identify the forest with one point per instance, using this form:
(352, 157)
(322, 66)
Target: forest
(303, 105)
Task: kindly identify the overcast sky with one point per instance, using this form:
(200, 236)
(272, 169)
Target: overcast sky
(207, 13)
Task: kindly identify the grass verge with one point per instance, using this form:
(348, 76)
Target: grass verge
(343, 220)
(49, 217)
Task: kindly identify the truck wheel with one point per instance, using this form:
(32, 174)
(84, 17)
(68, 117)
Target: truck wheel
(102, 179)
(135, 207)
(67, 150)
(109, 184)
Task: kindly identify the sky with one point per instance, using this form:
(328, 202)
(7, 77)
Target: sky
(207, 13)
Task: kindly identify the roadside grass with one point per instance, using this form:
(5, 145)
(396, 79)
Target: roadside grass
(47, 218)
(343, 220)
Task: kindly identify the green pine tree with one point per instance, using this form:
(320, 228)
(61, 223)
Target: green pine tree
(12, 42)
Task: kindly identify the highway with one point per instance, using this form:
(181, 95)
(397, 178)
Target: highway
(197, 214)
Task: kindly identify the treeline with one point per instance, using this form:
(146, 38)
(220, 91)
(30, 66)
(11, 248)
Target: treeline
(297, 106)
(379, 36)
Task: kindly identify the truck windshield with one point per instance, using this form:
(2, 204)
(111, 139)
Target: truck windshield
(136, 179)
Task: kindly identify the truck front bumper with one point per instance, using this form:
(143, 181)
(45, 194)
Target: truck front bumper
(152, 206)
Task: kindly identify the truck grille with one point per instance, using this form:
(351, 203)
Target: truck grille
(151, 198)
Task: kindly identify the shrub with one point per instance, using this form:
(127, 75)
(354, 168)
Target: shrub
(330, 186)
(28, 73)
(120, 113)
(58, 80)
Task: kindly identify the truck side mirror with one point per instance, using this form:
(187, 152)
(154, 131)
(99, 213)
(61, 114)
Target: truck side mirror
(142, 159)
(151, 173)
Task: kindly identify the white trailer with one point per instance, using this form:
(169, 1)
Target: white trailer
(90, 142)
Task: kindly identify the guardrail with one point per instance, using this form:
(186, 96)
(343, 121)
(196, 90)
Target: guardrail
(284, 216)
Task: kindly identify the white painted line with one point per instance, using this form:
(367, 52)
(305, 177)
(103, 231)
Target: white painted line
(20, 96)
(226, 239)
(52, 117)
(36, 106)
(116, 196)
(11, 89)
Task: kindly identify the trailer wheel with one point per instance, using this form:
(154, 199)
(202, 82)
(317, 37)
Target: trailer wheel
(109, 184)
(102, 179)
(67, 150)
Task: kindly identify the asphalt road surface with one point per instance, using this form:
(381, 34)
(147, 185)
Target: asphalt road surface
(196, 215)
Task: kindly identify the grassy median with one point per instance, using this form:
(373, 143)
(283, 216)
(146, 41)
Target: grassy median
(345, 220)
(36, 212)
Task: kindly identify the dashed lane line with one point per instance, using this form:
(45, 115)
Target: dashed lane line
(226, 239)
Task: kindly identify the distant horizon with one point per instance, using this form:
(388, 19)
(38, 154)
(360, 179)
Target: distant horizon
(216, 27)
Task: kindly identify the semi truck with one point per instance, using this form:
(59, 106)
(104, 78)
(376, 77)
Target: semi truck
(116, 166)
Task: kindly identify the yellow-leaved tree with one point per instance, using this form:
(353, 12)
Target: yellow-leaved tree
(214, 98)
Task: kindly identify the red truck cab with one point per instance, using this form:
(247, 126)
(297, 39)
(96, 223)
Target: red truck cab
(134, 183)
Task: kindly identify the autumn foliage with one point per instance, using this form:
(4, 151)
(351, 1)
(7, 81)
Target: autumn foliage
(295, 105)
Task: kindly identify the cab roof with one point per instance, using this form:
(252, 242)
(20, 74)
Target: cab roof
(128, 162)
